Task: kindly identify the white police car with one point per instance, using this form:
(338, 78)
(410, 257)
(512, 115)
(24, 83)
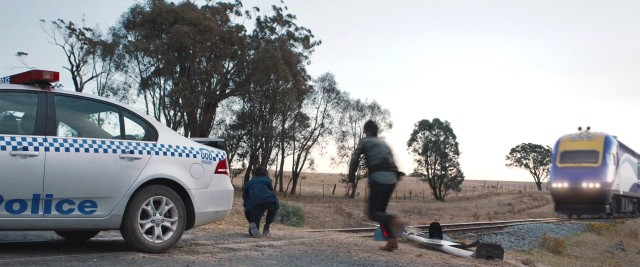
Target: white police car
(78, 164)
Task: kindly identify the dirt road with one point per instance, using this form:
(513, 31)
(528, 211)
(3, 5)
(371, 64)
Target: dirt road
(207, 246)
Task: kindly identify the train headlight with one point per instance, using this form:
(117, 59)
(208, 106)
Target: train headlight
(590, 185)
(560, 185)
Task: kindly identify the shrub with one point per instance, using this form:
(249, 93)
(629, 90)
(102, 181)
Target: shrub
(555, 245)
(598, 227)
(290, 215)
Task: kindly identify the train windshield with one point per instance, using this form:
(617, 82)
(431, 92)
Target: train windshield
(579, 157)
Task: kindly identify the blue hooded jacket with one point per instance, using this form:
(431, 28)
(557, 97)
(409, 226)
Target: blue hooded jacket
(256, 191)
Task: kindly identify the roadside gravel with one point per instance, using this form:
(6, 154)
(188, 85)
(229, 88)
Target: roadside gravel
(526, 237)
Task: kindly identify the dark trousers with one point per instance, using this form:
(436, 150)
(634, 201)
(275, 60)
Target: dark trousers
(377, 206)
(254, 215)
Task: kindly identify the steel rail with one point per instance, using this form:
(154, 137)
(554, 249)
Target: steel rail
(452, 227)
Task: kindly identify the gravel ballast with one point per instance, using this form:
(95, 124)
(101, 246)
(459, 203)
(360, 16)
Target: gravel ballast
(527, 236)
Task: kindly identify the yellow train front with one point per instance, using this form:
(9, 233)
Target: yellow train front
(594, 174)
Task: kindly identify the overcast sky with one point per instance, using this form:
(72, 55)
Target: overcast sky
(501, 72)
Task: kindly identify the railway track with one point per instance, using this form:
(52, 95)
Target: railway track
(453, 227)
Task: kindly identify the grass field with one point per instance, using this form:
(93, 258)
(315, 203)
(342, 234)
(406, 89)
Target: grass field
(478, 201)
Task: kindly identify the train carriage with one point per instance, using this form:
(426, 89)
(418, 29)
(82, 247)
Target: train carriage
(593, 173)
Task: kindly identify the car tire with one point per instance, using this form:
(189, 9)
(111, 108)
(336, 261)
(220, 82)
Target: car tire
(154, 220)
(77, 235)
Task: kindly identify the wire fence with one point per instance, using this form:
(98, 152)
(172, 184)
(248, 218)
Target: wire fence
(336, 190)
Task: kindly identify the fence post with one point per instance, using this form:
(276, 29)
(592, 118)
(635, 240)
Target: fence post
(422, 194)
(334, 190)
(322, 190)
(410, 194)
(474, 191)
(365, 192)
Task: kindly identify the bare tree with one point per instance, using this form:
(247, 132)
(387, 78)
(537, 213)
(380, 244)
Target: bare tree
(79, 48)
(321, 112)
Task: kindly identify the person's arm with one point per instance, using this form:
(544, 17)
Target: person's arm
(270, 185)
(245, 195)
(355, 162)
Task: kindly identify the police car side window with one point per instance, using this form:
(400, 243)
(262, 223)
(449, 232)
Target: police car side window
(18, 113)
(78, 117)
(137, 129)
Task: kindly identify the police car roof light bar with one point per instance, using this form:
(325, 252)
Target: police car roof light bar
(34, 77)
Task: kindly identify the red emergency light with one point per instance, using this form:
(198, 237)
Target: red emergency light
(32, 77)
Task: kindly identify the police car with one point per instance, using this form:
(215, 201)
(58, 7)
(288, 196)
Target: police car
(78, 164)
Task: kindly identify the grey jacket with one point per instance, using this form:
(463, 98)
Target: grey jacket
(379, 160)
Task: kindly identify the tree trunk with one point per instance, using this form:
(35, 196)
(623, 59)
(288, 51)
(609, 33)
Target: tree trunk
(281, 162)
(294, 185)
(539, 185)
(247, 173)
(352, 194)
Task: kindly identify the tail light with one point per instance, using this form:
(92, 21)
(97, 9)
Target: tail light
(222, 167)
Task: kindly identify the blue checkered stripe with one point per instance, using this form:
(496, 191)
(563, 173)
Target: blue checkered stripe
(69, 145)
(14, 143)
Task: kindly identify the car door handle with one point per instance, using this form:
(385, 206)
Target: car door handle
(24, 153)
(130, 156)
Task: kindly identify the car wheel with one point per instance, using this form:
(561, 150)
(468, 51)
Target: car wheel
(77, 235)
(154, 219)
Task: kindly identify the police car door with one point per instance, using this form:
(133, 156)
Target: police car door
(90, 166)
(22, 153)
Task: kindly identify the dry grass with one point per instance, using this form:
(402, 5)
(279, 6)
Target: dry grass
(600, 246)
(483, 200)
(554, 245)
(489, 200)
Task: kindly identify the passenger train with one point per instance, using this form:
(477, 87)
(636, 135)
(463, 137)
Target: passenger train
(593, 173)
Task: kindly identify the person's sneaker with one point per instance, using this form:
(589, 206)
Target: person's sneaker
(253, 230)
(266, 233)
